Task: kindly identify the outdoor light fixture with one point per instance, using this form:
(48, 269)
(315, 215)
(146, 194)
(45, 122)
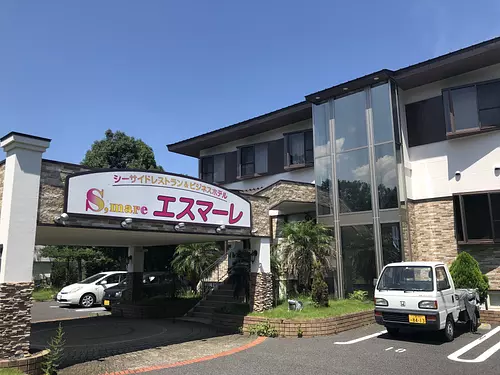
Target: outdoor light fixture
(62, 219)
(253, 255)
(221, 228)
(126, 223)
(254, 231)
(497, 170)
(458, 174)
(179, 226)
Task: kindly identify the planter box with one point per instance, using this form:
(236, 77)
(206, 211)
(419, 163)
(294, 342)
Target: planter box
(172, 309)
(490, 316)
(31, 365)
(290, 328)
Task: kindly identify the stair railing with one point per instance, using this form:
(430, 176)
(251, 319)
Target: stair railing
(213, 276)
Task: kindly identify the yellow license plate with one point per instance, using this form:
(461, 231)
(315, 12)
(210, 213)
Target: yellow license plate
(106, 302)
(419, 319)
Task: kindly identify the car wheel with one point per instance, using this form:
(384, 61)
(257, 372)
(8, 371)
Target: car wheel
(87, 300)
(449, 330)
(392, 331)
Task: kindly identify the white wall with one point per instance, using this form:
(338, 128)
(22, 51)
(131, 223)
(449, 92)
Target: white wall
(431, 168)
(262, 137)
(301, 175)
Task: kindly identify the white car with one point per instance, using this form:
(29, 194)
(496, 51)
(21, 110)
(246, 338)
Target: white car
(90, 291)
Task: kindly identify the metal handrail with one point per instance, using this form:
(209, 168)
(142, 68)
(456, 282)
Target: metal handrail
(209, 271)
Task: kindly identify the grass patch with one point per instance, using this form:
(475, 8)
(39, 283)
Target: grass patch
(45, 294)
(335, 308)
(10, 371)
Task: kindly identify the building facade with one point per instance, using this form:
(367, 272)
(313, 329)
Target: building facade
(405, 164)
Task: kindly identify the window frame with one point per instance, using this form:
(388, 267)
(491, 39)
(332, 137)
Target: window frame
(307, 163)
(202, 172)
(449, 115)
(465, 240)
(446, 279)
(239, 175)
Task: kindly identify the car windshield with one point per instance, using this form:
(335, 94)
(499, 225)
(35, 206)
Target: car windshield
(92, 279)
(406, 278)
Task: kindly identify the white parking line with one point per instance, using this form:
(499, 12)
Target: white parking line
(483, 357)
(360, 339)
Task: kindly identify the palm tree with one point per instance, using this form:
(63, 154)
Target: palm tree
(190, 260)
(305, 243)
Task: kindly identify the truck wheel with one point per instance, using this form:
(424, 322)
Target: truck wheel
(392, 331)
(449, 330)
(475, 321)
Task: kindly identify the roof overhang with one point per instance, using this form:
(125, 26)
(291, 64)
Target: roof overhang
(270, 121)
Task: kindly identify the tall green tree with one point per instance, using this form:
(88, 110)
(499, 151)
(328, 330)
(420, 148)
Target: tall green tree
(190, 260)
(119, 151)
(305, 243)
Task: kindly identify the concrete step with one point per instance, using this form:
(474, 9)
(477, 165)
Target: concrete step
(222, 298)
(226, 287)
(204, 309)
(215, 304)
(223, 292)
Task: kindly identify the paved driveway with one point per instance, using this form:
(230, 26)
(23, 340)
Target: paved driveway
(51, 310)
(363, 351)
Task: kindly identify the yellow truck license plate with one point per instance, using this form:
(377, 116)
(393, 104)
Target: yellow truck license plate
(420, 319)
(106, 303)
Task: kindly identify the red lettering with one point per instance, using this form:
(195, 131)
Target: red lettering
(204, 212)
(234, 220)
(144, 210)
(94, 200)
(164, 212)
(187, 210)
(220, 212)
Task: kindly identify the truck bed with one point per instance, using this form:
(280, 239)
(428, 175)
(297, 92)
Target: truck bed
(467, 300)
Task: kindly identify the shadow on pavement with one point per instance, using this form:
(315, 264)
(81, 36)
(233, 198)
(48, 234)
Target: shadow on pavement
(100, 337)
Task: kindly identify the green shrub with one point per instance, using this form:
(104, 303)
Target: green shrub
(319, 290)
(263, 329)
(466, 274)
(300, 333)
(56, 347)
(359, 295)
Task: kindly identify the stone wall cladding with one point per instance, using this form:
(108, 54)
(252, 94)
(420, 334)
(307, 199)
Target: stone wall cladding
(2, 173)
(288, 191)
(290, 328)
(261, 291)
(260, 215)
(490, 316)
(15, 318)
(432, 231)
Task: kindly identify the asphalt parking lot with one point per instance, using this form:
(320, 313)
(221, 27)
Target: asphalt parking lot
(368, 350)
(51, 310)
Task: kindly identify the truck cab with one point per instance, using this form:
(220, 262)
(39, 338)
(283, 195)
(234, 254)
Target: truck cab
(420, 296)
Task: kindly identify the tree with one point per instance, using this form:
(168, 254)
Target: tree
(119, 151)
(319, 291)
(466, 273)
(304, 243)
(190, 260)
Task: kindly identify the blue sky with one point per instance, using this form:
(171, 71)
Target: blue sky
(166, 70)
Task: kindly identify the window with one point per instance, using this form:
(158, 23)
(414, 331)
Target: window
(350, 122)
(442, 281)
(113, 279)
(425, 121)
(472, 108)
(477, 217)
(299, 149)
(213, 168)
(411, 278)
(391, 243)
(253, 160)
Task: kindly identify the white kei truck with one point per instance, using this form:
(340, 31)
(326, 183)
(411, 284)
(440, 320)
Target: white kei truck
(422, 296)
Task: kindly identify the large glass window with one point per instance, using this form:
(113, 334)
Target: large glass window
(477, 217)
(386, 176)
(247, 161)
(358, 258)
(207, 169)
(472, 108)
(382, 115)
(353, 174)
(253, 160)
(219, 168)
(391, 243)
(350, 122)
(323, 180)
(321, 130)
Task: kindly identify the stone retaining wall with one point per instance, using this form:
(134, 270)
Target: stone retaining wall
(31, 365)
(261, 291)
(490, 316)
(15, 319)
(289, 328)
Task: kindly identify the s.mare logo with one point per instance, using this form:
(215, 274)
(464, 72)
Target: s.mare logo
(95, 203)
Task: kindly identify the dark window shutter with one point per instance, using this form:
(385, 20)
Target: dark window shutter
(238, 163)
(285, 151)
(199, 169)
(425, 121)
(231, 166)
(275, 156)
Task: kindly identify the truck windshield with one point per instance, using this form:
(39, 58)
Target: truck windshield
(407, 278)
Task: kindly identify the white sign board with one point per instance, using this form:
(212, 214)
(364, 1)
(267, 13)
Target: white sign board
(154, 196)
